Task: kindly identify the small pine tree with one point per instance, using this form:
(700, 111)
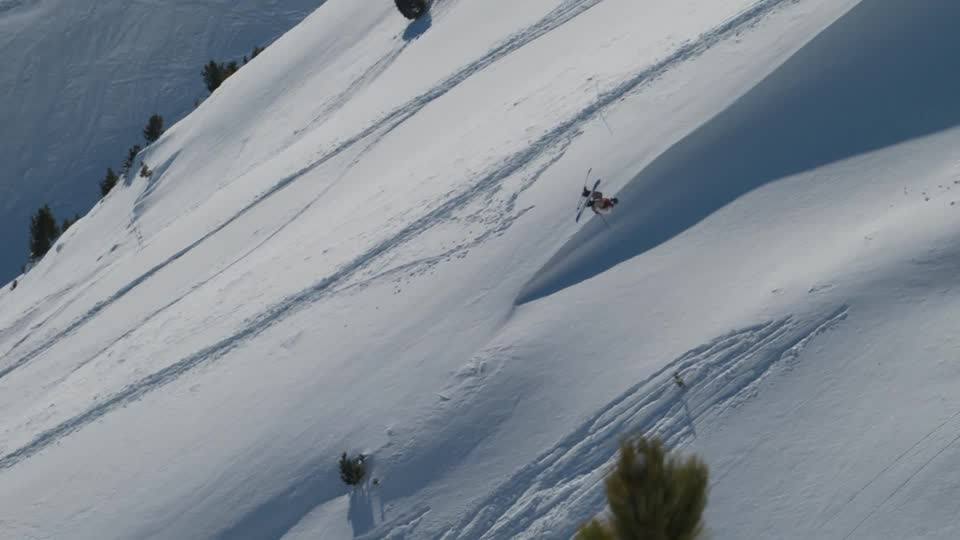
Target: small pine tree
(213, 75)
(652, 495)
(145, 172)
(256, 52)
(108, 182)
(352, 470)
(231, 68)
(154, 128)
(131, 158)
(411, 9)
(67, 223)
(43, 232)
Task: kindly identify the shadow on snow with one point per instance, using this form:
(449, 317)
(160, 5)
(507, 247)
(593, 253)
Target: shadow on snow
(418, 27)
(882, 74)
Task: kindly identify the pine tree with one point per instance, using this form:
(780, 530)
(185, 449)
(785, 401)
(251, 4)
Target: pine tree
(131, 158)
(108, 182)
(67, 223)
(256, 52)
(213, 75)
(411, 9)
(43, 232)
(154, 128)
(652, 496)
(352, 470)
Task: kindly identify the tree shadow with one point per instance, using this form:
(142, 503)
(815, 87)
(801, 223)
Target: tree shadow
(418, 27)
(278, 515)
(882, 74)
(360, 513)
(688, 416)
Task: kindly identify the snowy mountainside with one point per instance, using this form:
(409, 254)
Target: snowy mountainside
(81, 79)
(372, 250)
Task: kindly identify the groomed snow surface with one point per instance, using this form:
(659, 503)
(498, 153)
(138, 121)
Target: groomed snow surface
(364, 242)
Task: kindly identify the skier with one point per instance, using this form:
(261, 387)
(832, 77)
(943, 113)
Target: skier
(598, 203)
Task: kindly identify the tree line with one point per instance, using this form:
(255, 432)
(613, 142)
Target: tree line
(44, 228)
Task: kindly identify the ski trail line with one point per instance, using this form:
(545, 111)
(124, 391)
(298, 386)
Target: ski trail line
(886, 468)
(903, 484)
(556, 18)
(267, 318)
(322, 288)
(723, 373)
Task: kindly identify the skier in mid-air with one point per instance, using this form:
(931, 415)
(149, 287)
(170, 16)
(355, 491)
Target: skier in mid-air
(593, 198)
(598, 203)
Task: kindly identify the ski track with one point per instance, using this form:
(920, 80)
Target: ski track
(906, 480)
(551, 21)
(896, 461)
(263, 321)
(293, 303)
(722, 374)
(88, 282)
(23, 321)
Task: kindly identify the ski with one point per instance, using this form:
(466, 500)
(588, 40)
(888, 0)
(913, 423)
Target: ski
(583, 203)
(585, 180)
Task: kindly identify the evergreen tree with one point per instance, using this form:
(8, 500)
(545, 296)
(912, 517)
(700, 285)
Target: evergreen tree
(256, 52)
(131, 158)
(43, 232)
(154, 128)
(108, 182)
(67, 223)
(352, 470)
(652, 496)
(412, 9)
(213, 75)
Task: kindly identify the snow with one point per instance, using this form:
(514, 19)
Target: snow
(81, 79)
(372, 249)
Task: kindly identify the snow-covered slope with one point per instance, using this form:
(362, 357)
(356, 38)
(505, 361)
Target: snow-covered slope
(81, 77)
(372, 250)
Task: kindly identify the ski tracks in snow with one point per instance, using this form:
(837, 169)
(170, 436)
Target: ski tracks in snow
(377, 131)
(567, 11)
(916, 449)
(561, 489)
(552, 143)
